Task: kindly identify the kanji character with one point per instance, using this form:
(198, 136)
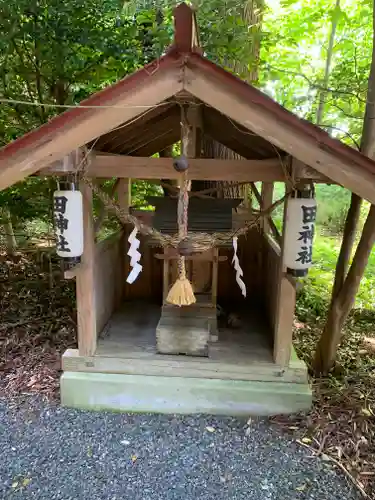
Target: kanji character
(62, 244)
(60, 204)
(309, 214)
(307, 234)
(305, 255)
(61, 223)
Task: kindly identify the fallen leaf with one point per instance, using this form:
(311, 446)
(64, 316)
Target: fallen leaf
(369, 344)
(306, 440)
(366, 412)
(26, 481)
(31, 382)
(15, 484)
(134, 458)
(210, 429)
(301, 488)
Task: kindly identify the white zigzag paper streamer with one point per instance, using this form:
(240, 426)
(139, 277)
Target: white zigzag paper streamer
(237, 267)
(135, 257)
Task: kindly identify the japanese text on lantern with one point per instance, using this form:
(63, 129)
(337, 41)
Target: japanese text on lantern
(61, 222)
(306, 234)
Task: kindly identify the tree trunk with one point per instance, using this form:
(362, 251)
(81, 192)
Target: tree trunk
(327, 72)
(213, 149)
(346, 287)
(342, 304)
(251, 12)
(348, 239)
(10, 238)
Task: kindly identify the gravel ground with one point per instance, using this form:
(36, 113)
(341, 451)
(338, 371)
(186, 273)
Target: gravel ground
(52, 453)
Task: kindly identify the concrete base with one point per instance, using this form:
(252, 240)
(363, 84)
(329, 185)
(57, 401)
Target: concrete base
(142, 393)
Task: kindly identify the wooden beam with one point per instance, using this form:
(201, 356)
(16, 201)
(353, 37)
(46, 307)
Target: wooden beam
(201, 257)
(186, 36)
(194, 118)
(72, 272)
(233, 136)
(220, 366)
(300, 170)
(78, 127)
(133, 130)
(139, 136)
(103, 165)
(86, 303)
(213, 90)
(163, 141)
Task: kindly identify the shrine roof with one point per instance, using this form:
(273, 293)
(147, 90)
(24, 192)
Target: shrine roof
(140, 115)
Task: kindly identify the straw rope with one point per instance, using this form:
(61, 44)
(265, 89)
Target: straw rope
(198, 242)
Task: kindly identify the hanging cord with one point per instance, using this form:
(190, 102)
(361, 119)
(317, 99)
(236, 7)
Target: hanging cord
(183, 197)
(182, 219)
(182, 293)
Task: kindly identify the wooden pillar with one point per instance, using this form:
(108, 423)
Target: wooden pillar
(86, 302)
(124, 194)
(166, 270)
(214, 281)
(124, 201)
(285, 309)
(266, 201)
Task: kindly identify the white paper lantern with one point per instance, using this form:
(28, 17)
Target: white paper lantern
(68, 215)
(299, 234)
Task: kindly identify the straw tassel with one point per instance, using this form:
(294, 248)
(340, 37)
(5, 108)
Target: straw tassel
(182, 293)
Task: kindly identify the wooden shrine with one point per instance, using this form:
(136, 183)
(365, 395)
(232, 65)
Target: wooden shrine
(188, 330)
(133, 332)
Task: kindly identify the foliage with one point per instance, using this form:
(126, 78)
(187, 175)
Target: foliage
(316, 292)
(56, 53)
(229, 31)
(293, 60)
(314, 297)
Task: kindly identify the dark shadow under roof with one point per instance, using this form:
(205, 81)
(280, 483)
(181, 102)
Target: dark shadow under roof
(160, 127)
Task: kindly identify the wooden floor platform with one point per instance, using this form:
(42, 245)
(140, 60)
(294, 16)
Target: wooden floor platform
(238, 377)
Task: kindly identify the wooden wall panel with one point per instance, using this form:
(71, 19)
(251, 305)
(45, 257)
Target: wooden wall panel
(248, 254)
(149, 284)
(109, 278)
(271, 271)
(280, 299)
